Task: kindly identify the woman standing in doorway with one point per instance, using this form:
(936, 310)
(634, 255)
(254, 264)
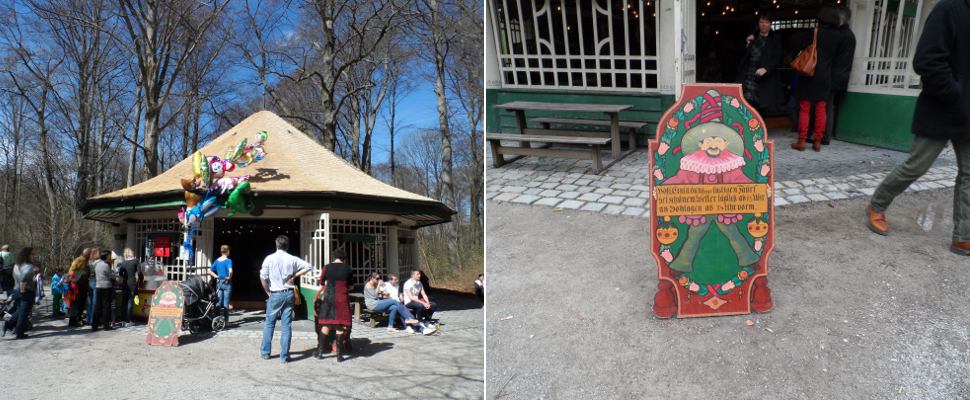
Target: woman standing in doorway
(813, 92)
(222, 270)
(335, 304)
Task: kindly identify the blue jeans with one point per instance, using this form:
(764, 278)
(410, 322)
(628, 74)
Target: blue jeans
(92, 298)
(127, 303)
(23, 311)
(397, 309)
(224, 291)
(281, 302)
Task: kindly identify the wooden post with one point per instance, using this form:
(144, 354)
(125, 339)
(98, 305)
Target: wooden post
(522, 125)
(615, 134)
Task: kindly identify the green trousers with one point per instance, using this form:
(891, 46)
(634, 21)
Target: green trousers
(685, 259)
(921, 157)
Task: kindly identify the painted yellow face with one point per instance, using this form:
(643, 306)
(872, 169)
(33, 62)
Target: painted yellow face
(713, 145)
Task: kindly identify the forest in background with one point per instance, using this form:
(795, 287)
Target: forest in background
(97, 95)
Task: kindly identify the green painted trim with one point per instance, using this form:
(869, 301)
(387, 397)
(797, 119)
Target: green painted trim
(880, 120)
(308, 295)
(648, 107)
(284, 201)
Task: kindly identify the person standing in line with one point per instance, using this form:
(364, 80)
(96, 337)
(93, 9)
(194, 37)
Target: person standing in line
(221, 269)
(814, 92)
(416, 298)
(841, 68)
(942, 116)
(6, 270)
(104, 277)
(130, 276)
(277, 274)
(57, 293)
(78, 276)
(92, 286)
(24, 275)
(757, 70)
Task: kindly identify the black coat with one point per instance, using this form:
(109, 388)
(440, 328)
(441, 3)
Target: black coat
(942, 61)
(770, 94)
(842, 65)
(819, 86)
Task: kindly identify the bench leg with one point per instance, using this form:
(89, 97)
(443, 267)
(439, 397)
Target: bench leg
(498, 159)
(522, 124)
(597, 161)
(633, 139)
(357, 312)
(373, 322)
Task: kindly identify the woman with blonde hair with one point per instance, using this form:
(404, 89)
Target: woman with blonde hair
(130, 276)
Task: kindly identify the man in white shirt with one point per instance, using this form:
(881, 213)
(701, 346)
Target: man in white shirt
(416, 299)
(277, 275)
(390, 288)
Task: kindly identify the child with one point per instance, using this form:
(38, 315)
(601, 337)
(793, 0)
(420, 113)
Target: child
(58, 287)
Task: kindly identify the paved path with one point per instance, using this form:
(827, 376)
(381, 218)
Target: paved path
(840, 171)
(857, 315)
(119, 365)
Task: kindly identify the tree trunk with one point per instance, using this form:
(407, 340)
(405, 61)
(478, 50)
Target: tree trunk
(447, 181)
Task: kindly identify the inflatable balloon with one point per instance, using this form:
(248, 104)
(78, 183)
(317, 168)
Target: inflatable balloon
(238, 201)
(226, 184)
(191, 197)
(234, 153)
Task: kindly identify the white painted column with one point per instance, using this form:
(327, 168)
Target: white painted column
(130, 239)
(493, 76)
(669, 61)
(861, 25)
(393, 263)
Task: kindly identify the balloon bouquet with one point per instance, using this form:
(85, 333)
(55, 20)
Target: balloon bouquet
(206, 193)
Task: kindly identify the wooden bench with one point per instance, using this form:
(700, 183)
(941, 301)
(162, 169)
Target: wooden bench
(498, 151)
(372, 317)
(630, 126)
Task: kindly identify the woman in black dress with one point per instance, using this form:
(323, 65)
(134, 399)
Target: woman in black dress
(813, 92)
(334, 312)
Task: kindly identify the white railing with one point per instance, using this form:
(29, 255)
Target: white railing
(607, 45)
(889, 47)
(314, 240)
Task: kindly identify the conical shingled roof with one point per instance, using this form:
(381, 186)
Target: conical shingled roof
(294, 164)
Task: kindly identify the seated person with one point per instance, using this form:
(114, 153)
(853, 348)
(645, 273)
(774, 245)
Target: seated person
(376, 301)
(416, 299)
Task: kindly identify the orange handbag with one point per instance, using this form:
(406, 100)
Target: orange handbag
(807, 58)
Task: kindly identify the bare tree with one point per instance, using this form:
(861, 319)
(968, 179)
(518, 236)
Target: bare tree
(162, 35)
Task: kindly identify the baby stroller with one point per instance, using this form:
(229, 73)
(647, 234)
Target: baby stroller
(8, 315)
(200, 306)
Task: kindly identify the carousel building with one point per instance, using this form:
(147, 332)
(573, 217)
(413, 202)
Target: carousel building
(300, 189)
(638, 52)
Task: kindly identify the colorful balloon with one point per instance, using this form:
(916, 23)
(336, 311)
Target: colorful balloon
(239, 201)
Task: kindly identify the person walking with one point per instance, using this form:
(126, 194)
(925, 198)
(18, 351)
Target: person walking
(104, 277)
(942, 116)
(277, 275)
(24, 275)
(841, 68)
(130, 275)
(78, 276)
(221, 269)
(814, 92)
(758, 66)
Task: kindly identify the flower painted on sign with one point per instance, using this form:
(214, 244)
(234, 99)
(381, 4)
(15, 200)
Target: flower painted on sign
(693, 220)
(663, 148)
(658, 174)
(765, 169)
(667, 256)
(735, 103)
(729, 218)
(693, 287)
(759, 145)
(688, 107)
(743, 274)
(753, 124)
(683, 281)
(672, 123)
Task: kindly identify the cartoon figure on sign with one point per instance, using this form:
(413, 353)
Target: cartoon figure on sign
(165, 316)
(710, 204)
(712, 157)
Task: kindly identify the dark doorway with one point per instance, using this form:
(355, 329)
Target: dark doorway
(251, 240)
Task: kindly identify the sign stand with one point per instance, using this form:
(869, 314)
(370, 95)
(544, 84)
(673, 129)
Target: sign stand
(165, 315)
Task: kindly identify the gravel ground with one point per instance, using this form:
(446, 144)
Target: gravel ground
(119, 365)
(856, 315)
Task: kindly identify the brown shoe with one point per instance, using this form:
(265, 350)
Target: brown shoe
(817, 143)
(961, 248)
(877, 221)
(799, 145)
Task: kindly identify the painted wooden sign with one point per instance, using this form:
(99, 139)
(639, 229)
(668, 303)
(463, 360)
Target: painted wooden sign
(712, 214)
(165, 315)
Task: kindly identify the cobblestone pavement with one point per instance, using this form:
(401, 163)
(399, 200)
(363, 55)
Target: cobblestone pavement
(840, 171)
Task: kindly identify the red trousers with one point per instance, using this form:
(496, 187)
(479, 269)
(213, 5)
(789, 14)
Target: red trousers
(803, 117)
